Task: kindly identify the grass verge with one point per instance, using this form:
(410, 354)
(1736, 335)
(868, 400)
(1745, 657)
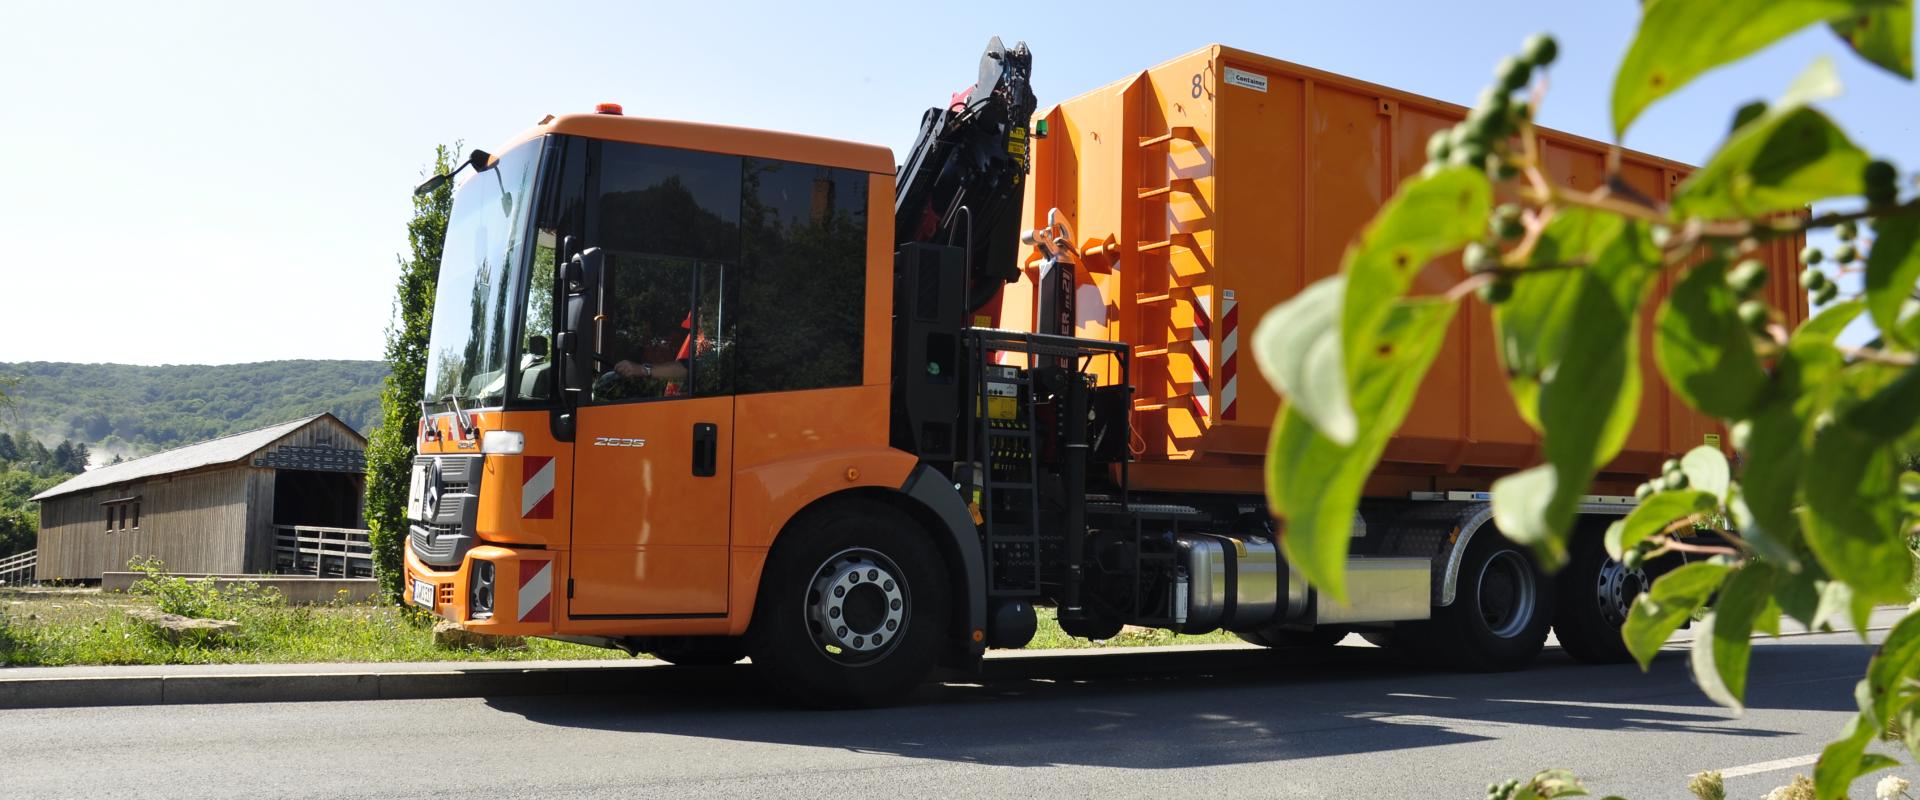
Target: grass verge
(1049, 636)
(63, 627)
(69, 627)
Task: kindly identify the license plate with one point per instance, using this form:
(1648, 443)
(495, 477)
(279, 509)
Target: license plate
(423, 594)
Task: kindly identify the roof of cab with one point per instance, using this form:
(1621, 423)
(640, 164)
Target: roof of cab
(718, 139)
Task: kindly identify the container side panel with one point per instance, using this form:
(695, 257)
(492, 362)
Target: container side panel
(1436, 436)
(1263, 217)
(1212, 188)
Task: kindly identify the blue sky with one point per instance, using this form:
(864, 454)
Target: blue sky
(219, 183)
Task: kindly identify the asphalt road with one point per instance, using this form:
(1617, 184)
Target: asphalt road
(1347, 723)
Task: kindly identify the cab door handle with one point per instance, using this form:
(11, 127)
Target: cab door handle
(706, 442)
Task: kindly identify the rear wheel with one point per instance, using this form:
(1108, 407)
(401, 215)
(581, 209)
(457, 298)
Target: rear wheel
(852, 608)
(1595, 593)
(1502, 606)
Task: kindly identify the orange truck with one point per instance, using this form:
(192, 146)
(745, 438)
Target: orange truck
(690, 396)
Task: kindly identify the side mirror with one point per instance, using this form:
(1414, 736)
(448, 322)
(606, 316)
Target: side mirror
(579, 338)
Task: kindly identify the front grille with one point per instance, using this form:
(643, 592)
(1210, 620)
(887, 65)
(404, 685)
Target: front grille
(445, 595)
(444, 539)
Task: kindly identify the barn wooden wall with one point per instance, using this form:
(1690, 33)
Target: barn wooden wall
(189, 521)
(216, 520)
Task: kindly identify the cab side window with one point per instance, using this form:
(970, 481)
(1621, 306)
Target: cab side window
(669, 223)
(803, 277)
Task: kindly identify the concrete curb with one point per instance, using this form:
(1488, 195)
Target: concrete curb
(148, 690)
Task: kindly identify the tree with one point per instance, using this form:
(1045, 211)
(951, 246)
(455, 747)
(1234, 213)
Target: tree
(1821, 513)
(390, 449)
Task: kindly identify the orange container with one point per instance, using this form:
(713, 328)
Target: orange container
(1211, 188)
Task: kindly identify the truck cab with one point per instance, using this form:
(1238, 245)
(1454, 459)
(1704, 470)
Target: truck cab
(654, 345)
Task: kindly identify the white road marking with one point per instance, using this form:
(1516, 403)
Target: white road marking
(1770, 766)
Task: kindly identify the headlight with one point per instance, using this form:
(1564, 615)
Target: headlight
(480, 590)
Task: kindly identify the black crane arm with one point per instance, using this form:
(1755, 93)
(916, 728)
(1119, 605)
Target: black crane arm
(962, 180)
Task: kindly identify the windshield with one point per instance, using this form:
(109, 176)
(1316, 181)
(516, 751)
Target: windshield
(485, 251)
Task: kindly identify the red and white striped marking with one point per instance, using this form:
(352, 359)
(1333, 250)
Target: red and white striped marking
(536, 591)
(536, 487)
(1202, 391)
(1229, 354)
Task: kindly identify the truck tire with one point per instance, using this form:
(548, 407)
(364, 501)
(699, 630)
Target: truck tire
(1502, 607)
(1284, 637)
(1595, 593)
(853, 608)
(714, 651)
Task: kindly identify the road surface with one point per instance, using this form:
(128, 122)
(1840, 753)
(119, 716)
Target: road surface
(1351, 722)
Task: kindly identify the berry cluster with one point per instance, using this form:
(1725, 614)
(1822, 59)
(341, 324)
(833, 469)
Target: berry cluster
(1481, 141)
(1814, 279)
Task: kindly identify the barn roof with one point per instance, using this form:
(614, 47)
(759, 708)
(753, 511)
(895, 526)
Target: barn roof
(212, 452)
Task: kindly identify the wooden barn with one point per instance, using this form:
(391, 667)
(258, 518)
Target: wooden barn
(254, 502)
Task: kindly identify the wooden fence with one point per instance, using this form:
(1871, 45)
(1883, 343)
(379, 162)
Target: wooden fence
(16, 570)
(322, 552)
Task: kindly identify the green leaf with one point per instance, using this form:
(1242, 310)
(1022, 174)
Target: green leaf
(1297, 346)
(1312, 346)
(1768, 620)
(1706, 470)
(1835, 609)
(1426, 218)
(1550, 784)
(1890, 675)
(1653, 515)
(1790, 156)
(1851, 484)
(1314, 482)
(1846, 759)
(1702, 347)
(1723, 641)
(1799, 596)
(1826, 326)
(1883, 36)
(1802, 386)
(1666, 606)
(1891, 410)
(1680, 39)
(1532, 325)
(1893, 270)
(1586, 358)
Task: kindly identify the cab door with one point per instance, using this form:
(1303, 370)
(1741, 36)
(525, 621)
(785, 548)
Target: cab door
(653, 446)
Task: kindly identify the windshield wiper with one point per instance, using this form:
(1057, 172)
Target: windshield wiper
(459, 414)
(478, 160)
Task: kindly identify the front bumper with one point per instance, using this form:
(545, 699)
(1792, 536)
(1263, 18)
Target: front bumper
(524, 601)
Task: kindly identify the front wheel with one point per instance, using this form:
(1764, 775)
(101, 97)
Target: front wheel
(1502, 606)
(852, 608)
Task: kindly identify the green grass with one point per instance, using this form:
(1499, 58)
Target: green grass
(68, 627)
(62, 627)
(1050, 636)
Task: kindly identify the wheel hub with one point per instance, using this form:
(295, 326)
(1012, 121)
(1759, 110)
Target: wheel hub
(1617, 587)
(857, 606)
(1507, 594)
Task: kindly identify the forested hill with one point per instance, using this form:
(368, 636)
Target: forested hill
(119, 409)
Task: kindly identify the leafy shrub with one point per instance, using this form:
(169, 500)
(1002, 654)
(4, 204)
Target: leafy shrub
(199, 598)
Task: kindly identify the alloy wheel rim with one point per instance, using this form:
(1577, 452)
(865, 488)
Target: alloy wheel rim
(857, 606)
(1615, 590)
